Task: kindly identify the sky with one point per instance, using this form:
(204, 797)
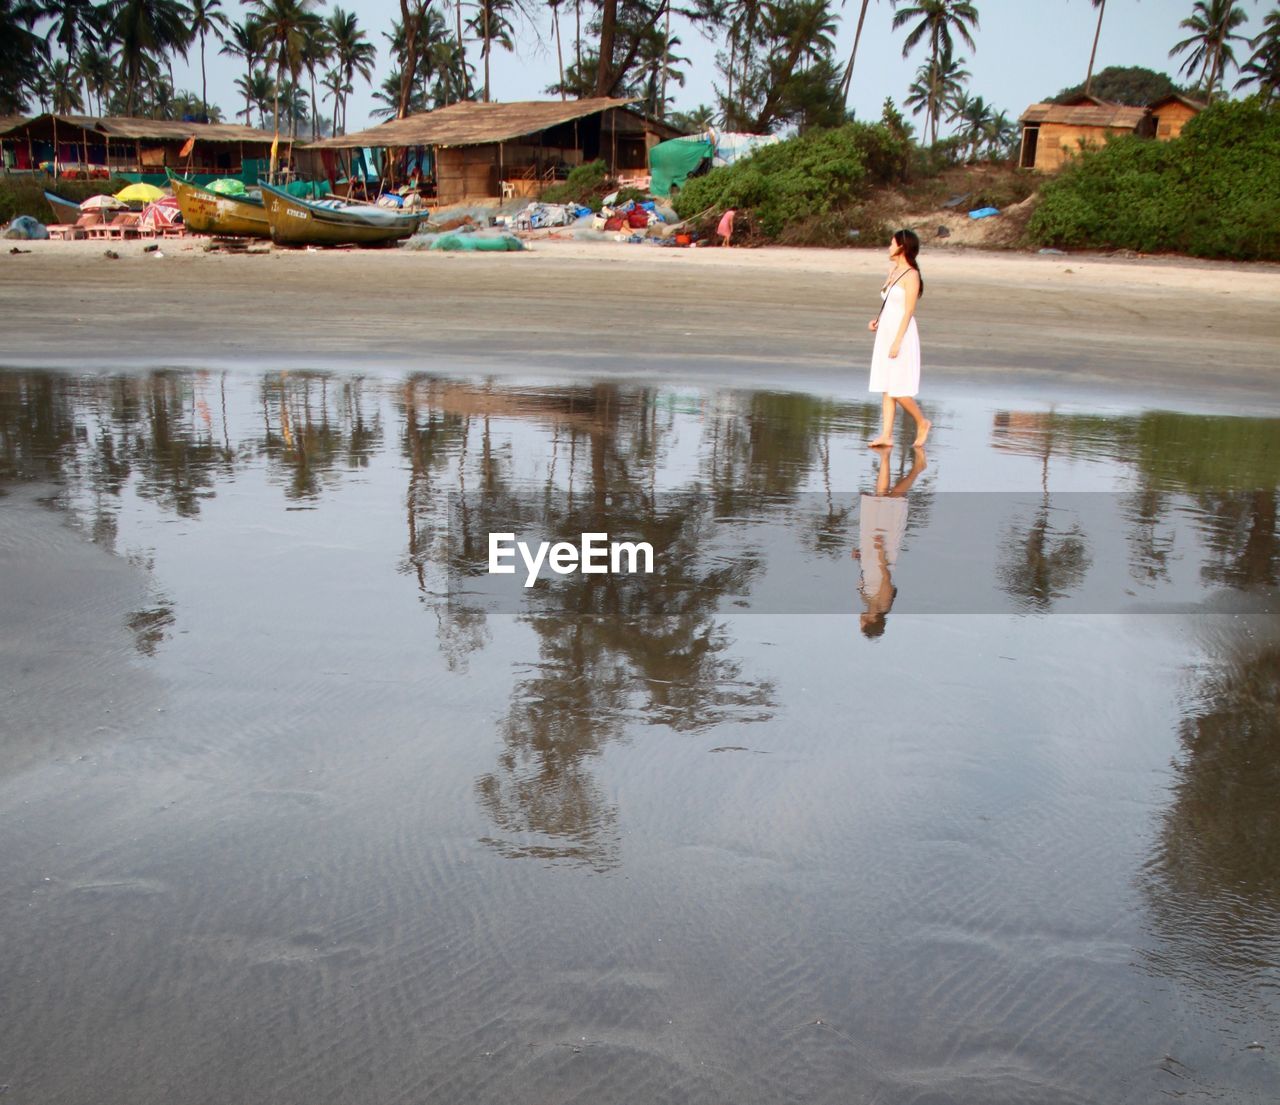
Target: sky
(1027, 50)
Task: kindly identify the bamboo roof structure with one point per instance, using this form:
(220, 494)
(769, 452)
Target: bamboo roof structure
(131, 129)
(469, 123)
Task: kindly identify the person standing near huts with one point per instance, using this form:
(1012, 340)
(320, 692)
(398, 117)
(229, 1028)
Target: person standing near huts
(725, 230)
(895, 360)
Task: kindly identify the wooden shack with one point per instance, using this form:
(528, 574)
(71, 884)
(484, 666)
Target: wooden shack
(1169, 115)
(471, 151)
(101, 146)
(1052, 133)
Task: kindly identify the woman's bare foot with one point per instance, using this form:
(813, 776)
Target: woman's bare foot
(880, 443)
(922, 432)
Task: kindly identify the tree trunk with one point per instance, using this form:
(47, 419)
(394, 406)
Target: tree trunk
(409, 21)
(937, 72)
(555, 15)
(857, 35)
(1088, 81)
(204, 84)
(608, 33)
(666, 54)
(275, 145)
(485, 31)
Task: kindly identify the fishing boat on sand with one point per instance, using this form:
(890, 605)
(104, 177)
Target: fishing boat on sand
(333, 222)
(65, 211)
(224, 216)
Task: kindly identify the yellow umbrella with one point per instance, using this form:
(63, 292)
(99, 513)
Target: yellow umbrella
(140, 193)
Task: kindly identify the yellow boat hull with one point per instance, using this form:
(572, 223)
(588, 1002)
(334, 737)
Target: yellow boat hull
(206, 212)
(295, 222)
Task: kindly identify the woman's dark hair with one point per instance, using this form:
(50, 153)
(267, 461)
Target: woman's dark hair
(910, 250)
(875, 625)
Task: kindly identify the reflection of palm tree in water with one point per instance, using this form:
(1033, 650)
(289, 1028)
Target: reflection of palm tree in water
(1212, 882)
(882, 521)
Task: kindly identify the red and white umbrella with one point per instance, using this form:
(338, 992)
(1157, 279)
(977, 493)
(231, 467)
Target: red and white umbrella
(163, 212)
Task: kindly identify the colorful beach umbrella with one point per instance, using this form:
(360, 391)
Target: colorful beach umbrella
(140, 193)
(164, 212)
(102, 203)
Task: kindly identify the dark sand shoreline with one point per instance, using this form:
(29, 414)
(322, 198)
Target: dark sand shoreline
(1148, 333)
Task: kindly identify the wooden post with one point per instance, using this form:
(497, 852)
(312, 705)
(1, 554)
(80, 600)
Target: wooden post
(137, 153)
(55, 146)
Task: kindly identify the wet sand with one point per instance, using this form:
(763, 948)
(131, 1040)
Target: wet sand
(1152, 330)
(287, 814)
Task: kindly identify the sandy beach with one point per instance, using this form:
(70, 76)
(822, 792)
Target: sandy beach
(1152, 329)
(298, 805)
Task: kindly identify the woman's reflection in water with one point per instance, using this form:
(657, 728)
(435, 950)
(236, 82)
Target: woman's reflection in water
(882, 520)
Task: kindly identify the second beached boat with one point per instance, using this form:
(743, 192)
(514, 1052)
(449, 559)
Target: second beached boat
(297, 222)
(206, 212)
(64, 210)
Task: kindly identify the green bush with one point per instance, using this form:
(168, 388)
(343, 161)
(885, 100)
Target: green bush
(800, 179)
(1213, 192)
(584, 185)
(24, 195)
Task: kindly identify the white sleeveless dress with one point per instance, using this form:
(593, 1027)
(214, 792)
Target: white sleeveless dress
(900, 375)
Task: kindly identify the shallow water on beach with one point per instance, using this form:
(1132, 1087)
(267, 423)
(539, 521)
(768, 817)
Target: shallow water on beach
(298, 804)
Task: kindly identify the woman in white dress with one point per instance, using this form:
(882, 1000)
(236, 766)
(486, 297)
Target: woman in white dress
(895, 361)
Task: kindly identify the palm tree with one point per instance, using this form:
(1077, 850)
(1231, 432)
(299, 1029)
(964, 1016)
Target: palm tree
(292, 100)
(1101, 5)
(937, 84)
(975, 117)
(21, 54)
(744, 34)
(338, 89)
(316, 51)
(77, 25)
(188, 104)
(282, 29)
(388, 96)
(452, 72)
(1002, 136)
(1209, 45)
(1263, 66)
(657, 64)
(490, 24)
(147, 30)
(98, 71)
(937, 19)
(701, 117)
(258, 90)
(352, 53)
(242, 40)
(66, 87)
(206, 19)
(554, 5)
(847, 83)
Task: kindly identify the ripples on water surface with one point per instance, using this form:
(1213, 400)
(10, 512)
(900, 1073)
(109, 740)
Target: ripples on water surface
(298, 805)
